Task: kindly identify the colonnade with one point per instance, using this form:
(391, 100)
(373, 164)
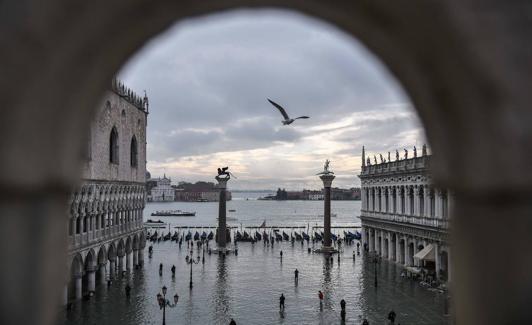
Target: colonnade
(413, 200)
(401, 248)
(111, 261)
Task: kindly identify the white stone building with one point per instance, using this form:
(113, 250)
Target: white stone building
(105, 229)
(405, 219)
(162, 191)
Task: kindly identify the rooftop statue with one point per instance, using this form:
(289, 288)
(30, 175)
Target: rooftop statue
(368, 161)
(406, 154)
(389, 159)
(396, 155)
(415, 152)
(382, 159)
(375, 159)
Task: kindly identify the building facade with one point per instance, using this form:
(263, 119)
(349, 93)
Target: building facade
(162, 191)
(405, 219)
(105, 228)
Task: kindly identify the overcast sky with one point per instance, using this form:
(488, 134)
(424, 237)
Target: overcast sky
(208, 79)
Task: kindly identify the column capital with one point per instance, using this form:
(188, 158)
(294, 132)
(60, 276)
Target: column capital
(327, 179)
(222, 182)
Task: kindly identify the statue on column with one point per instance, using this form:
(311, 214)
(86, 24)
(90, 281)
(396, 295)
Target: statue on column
(326, 170)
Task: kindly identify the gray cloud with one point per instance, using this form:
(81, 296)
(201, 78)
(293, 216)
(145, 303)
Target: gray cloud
(208, 80)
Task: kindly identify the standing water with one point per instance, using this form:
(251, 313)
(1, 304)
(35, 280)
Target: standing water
(247, 286)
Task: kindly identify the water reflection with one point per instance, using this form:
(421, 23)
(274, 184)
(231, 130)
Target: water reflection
(221, 295)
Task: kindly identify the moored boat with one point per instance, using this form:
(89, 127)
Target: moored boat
(173, 213)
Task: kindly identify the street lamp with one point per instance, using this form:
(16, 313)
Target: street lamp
(161, 299)
(191, 261)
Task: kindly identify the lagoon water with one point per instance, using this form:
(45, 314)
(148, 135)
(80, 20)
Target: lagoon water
(247, 287)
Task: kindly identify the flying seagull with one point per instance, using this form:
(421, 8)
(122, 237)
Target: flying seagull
(287, 120)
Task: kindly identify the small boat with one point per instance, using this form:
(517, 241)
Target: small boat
(285, 236)
(298, 236)
(318, 236)
(188, 236)
(196, 236)
(202, 200)
(175, 236)
(167, 236)
(305, 236)
(210, 236)
(154, 236)
(203, 236)
(173, 213)
(278, 237)
(155, 224)
(257, 235)
(232, 210)
(334, 237)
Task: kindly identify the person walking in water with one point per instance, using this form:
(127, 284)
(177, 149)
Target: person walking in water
(320, 295)
(391, 316)
(232, 322)
(296, 274)
(281, 302)
(281, 254)
(161, 269)
(173, 271)
(342, 306)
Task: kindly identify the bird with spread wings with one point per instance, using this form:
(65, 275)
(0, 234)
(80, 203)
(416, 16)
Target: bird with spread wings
(287, 120)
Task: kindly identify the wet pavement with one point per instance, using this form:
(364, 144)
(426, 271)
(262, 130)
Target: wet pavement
(247, 288)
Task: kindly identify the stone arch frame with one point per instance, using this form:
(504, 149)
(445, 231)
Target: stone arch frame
(142, 239)
(483, 74)
(77, 266)
(136, 242)
(112, 252)
(102, 255)
(128, 248)
(90, 260)
(120, 248)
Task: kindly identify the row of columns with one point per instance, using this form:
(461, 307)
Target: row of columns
(419, 203)
(382, 243)
(116, 266)
(80, 224)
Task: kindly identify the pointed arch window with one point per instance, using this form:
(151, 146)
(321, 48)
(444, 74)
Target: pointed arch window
(134, 152)
(113, 146)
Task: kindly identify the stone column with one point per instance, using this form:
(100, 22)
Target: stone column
(383, 243)
(222, 222)
(78, 286)
(437, 261)
(120, 264)
(128, 261)
(327, 180)
(101, 271)
(371, 240)
(407, 252)
(377, 242)
(112, 267)
(141, 257)
(91, 280)
(390, 247)
(135, 257)
(397, 249)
